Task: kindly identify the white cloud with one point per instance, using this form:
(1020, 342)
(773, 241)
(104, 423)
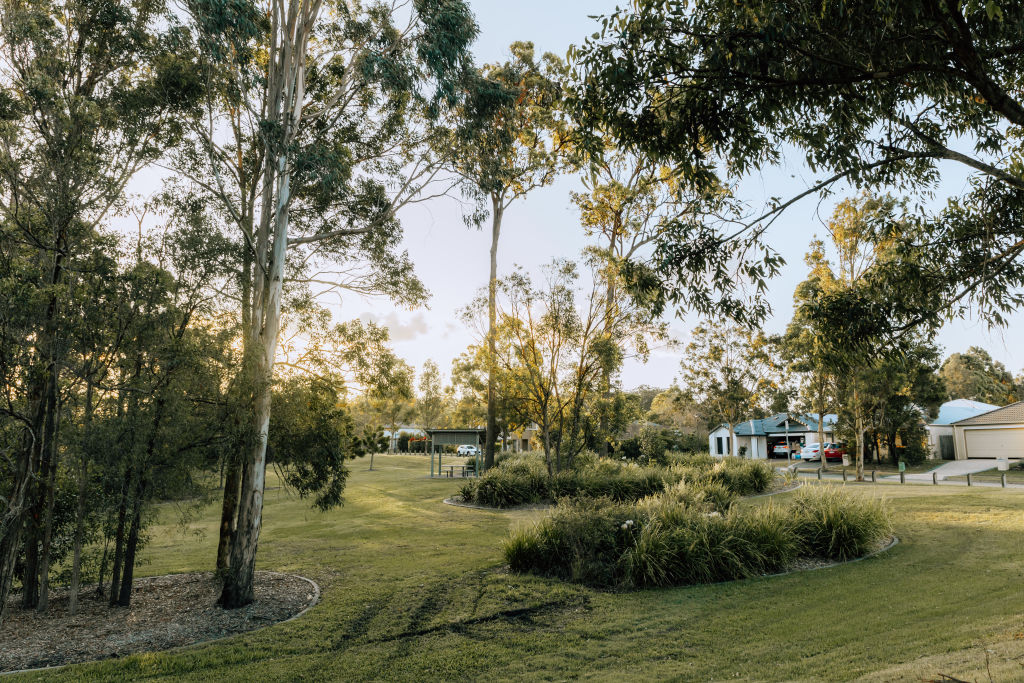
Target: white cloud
(400, 331)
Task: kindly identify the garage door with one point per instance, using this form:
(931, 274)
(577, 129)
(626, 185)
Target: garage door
(995, 443)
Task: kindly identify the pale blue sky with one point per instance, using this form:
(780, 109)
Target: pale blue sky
(544, 225)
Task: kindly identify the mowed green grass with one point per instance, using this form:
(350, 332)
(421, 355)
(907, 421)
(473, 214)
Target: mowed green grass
(415, 590)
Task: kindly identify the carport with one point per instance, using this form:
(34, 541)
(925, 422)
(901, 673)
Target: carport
(439, 438)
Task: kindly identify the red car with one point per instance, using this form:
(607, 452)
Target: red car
(835, 451)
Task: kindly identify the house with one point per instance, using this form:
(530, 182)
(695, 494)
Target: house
(758, 438)
(412, 431)
(940, 431)
(998, 433)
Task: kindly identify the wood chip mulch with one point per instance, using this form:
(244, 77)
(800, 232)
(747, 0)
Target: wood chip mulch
(166, 611)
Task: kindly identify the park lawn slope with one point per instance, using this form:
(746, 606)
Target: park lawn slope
(415, 590)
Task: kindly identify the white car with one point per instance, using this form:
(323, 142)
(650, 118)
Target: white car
(811, 451)
(468, 450)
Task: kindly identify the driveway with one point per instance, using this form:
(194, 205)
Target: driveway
(954, 468)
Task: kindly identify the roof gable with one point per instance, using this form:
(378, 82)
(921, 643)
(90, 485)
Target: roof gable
(961, 409)
(1011, 414)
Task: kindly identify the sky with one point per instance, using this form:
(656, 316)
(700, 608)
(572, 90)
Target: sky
(453, 260)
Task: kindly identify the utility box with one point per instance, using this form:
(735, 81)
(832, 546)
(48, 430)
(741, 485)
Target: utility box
(846, 460)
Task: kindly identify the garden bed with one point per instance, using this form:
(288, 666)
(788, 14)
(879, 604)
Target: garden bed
(690, 535)
(166, 612)
(523, 480)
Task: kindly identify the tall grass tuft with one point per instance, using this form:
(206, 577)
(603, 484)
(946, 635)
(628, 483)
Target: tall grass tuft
(832, 524)
(686, 536)
(522, 479)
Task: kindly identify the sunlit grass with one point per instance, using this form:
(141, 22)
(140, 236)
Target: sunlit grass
(415, 590)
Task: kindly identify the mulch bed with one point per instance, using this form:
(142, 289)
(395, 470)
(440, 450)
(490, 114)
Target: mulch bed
(166, 611)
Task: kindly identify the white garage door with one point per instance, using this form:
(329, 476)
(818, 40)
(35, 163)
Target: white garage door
(995, 443)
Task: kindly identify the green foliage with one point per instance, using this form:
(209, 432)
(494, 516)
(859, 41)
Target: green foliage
(522, 479)
(311, 436)
(721, 89)
(834, 525)
(976, 376)
(682, 537)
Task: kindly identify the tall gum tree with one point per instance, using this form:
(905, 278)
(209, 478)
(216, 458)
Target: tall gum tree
(91, 92)
(337, 101)
(505, 145)
(629, 203)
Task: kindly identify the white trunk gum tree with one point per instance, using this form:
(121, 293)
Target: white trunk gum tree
(362, 125)
(291, 28)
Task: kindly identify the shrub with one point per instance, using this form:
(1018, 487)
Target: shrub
(522, 479)
(574, 542)
(690, 535)
(832, 524)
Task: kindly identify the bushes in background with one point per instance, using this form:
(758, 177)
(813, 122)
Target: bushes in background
(690, 535)
(522, 479)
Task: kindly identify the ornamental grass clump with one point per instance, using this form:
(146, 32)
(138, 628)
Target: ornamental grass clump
(523, 479)
(574, 542)
(690, 535)
(833, 525)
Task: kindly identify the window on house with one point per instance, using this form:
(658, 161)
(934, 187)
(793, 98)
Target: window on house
(728, 445)
(718, 445)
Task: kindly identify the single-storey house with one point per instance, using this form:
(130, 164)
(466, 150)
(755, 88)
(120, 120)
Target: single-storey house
(940, 431)
(998, 433)
(758, 438)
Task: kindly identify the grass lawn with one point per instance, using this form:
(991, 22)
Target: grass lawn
(414, 590)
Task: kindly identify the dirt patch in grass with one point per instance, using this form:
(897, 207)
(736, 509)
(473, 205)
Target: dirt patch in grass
(166, 612)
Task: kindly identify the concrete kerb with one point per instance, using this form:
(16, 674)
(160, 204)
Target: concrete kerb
(313, 603)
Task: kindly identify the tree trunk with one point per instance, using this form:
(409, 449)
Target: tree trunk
(44, 553)
(859, 428)
(122, 514)
(821, 436)
(228, 511)
(124, 596)
(238, 580)
(83, 480)
(103, 566)
(497, 212)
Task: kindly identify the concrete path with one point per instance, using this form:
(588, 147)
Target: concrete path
(953, 468)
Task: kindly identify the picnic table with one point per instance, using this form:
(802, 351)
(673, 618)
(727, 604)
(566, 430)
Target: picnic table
(463, 470)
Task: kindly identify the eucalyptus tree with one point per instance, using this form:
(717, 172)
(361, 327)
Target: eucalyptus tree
(314, 136)
(629, 204)
(727, 372)
(505, 144)
(92, 91)
(391, 396)
(871, 94)
(553, 350)
(431, 404)
(975, 375)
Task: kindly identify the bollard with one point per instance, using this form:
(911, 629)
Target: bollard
(872, 476)
(968, 478)
(935, 478)
(819, 474)
(903, 477)
(844, 474)
(1002, 478)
